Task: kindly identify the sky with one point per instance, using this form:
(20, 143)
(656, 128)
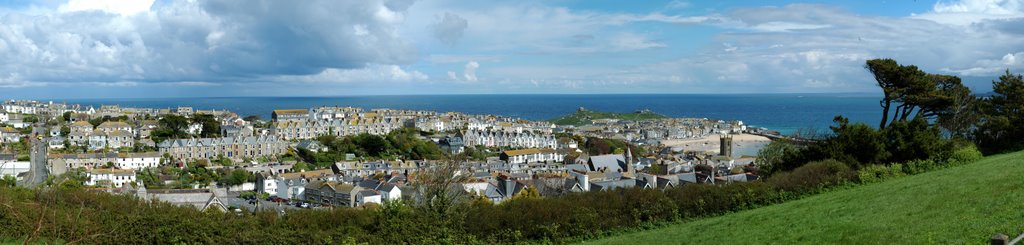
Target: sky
(53, 49)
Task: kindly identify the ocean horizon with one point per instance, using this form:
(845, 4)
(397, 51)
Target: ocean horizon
(785, 113)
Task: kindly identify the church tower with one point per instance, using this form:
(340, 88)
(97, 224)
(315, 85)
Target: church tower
(726, 145)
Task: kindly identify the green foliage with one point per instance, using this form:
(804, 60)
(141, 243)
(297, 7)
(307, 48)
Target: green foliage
(30, 118)
(8, 181)
(236, 177)
(770, 158)
(403, 143)
(965, 154)
(300, 166)
(999, 129)
(600, 146)
(210, 125)
(584, 117)
(859, 145)
(170, 127)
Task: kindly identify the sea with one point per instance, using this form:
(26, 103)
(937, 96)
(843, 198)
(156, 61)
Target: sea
(786, 113)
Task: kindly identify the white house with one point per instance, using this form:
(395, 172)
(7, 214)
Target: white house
(4, 117)
(531, 155)
(97, 140)
(116, 177)
(364, 197)
(389, 192)
(9, 166)
(8, 134)
(138, 160)
(265, 183)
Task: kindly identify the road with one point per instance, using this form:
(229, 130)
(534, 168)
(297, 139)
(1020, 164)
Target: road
(37, 156)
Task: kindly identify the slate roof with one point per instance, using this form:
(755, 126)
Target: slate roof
(610, 163)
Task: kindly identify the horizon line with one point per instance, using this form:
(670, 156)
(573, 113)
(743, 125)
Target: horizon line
(443, 94)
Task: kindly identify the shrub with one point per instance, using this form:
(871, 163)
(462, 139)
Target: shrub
(813, 176)
(919, 166)
(873, 173)
(965, 154)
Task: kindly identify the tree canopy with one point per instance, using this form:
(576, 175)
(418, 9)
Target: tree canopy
(910, 93)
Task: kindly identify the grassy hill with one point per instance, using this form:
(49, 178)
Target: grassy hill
(583, 117)
(966, 204)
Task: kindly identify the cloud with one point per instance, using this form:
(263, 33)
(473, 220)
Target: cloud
(776, 26)
(992, 67)
(368, 74)
(121, 7)
(633, 41)
(215, 42)
(677, 4)
(470, 72)
(967, 12)
(450, 28)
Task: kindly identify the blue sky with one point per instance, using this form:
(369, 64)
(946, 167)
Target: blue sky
(138, 48)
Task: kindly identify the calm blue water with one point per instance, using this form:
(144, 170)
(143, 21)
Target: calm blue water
(783, 112)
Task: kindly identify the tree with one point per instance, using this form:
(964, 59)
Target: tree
(171, 127)
(439, 187)
(999, 129)
(772, 155)
(210, 125)
(66, 116)
(236, 177)
(908, 91)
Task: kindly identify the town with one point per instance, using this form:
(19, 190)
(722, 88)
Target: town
(326, 157)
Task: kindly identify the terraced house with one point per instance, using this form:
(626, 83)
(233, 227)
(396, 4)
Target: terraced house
(295, 129)
(512, 139)
(234, 148)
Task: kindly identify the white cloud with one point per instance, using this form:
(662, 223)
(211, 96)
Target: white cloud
(633, 41)
(967, 12)
(776, 26)
(992, 67)
(470, 71)
(121, 7)
(369, 74)
(678, 4)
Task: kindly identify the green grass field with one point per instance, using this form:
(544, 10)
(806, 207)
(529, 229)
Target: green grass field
(965, 204)
(579, 118)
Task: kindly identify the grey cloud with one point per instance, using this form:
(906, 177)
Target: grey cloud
(212, 41)
(450, 28)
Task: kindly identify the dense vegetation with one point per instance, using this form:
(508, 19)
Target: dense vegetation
(961, 205)
(584, 117)
(399, 144)
(176, 127)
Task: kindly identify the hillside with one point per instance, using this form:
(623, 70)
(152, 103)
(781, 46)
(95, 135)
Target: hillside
(966, 204)
(583, 117)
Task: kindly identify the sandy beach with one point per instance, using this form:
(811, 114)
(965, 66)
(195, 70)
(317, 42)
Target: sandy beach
(743, 144)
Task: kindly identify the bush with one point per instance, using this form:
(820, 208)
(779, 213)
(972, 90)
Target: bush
(965, 154)
(919, 166)
(813, 176)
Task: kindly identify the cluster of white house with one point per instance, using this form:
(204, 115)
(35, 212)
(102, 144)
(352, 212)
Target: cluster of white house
(511, 139)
